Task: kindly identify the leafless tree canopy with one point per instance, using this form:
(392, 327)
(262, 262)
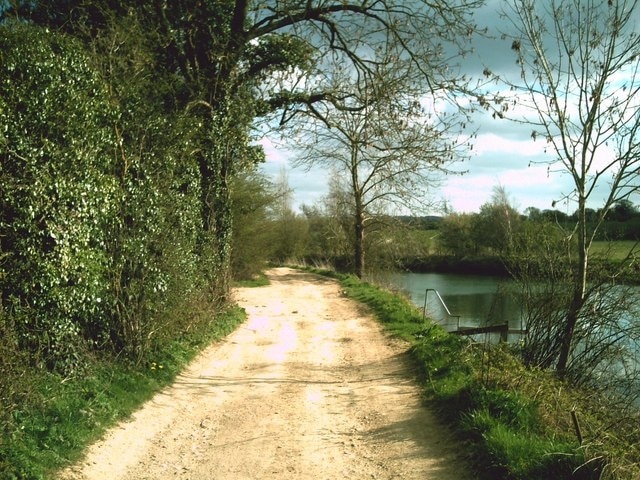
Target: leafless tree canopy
(386, 142)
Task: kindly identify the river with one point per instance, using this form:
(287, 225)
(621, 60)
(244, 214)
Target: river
(476, 300)
(472, 300)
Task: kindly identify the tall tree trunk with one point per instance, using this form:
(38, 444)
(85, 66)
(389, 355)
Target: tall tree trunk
(207, 211)
(359, 242)
(223, 230)
(215, 165)
(566, 342)
(580, 287)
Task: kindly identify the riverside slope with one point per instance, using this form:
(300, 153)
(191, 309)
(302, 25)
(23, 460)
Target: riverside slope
(309, 387)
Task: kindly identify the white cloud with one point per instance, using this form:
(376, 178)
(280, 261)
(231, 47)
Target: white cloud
(488, 143)
(530, 186)
(275, 154)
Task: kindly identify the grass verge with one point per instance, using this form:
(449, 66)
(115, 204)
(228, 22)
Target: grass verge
(60, 416)
(259, 280)
(515, 423)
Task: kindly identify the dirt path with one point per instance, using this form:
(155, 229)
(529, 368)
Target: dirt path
(307, 388)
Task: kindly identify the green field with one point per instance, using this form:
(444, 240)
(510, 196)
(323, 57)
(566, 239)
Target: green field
(615, 250)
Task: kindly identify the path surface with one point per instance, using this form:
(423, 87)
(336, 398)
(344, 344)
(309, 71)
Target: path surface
(308, 388)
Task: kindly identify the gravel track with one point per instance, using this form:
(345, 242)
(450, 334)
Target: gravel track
(309, 387)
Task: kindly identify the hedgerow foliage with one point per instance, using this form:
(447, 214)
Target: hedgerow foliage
(99, 218)
(58, 194)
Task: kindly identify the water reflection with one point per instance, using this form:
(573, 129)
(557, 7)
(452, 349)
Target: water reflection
(473, 300)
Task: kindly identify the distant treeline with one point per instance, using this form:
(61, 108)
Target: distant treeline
(622, 222)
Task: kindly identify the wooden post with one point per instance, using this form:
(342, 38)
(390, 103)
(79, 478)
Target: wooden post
(576, 426)
(504, 333)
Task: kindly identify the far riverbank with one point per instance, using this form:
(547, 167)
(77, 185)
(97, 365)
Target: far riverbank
(493, 265)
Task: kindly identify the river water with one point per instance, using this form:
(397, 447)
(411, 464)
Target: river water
(472, 300)
(475, 301)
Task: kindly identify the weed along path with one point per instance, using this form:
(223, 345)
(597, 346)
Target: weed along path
(308, 388)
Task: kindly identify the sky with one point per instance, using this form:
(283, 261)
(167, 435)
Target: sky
(503, 153)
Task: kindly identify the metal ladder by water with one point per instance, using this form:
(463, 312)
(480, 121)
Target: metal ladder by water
(502, 329)
(444, 305)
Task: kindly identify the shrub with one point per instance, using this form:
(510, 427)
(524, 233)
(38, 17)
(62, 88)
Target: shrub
(58, 196)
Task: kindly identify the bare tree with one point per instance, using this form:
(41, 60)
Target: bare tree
(497, 222)
(241, 60)
(386, 148)
(580, 62)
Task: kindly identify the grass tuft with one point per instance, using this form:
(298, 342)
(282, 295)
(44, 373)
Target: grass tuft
(260, 280)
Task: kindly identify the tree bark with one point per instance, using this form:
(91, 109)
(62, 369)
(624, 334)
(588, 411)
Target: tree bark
(578, 298)
(359, 256)
(358, 203)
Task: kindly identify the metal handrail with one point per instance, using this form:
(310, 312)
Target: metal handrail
(424, 308)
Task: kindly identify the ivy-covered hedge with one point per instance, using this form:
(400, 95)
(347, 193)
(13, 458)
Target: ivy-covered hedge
(58, 195)
(99, 214)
